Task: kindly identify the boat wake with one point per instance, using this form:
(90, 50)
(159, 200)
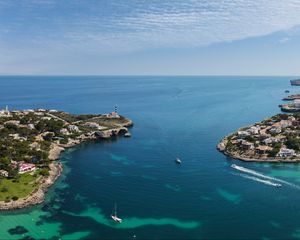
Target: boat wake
(263, 178)
(267, 182)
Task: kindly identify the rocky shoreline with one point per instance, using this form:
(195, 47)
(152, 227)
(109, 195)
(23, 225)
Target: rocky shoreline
(222, 148)
(38, 195)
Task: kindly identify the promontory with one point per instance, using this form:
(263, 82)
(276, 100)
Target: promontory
(276, 139)
(31, 142)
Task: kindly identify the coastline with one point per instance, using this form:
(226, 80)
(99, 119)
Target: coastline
(38, 195)
(221, 147)
(56, 169)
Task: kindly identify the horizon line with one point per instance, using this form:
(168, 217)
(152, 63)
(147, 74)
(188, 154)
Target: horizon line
(144, 75)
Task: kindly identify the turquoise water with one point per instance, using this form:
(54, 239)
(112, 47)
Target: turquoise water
(204, 198)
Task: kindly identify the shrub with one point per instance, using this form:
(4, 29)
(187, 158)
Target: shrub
(4, 189)
(15, 198)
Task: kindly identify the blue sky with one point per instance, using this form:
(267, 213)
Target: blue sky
(156, 37)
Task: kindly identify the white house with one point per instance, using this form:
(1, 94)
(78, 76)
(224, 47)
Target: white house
(285, 152)
(243, 134)
(270, 140)
(275, 130)
(73, 128)
(253, 130)
(3, 173)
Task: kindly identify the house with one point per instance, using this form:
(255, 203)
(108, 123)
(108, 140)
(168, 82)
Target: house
(31, 126)
(271, 140)
(3, 173)
(285, 152)
(53, 111)
(285, 123)
(113, 115)
(92, 125)
(26, 167)
(64, 131)
(13, 122)
(73, 128)
(253, 130)
(261, 149)
(243, 134)
(46, 118)
(275, 130)
(247, 145)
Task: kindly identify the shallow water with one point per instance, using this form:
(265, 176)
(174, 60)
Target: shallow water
(157, 199)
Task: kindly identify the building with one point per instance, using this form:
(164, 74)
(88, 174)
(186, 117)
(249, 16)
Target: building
(297, 103)
(3, 173)
(243, 134)
(73, 128)
(113, 115)
(253, 130)
(13, 122)
(262, 149)
(271, 140)
(64, 131)
(26, 167)
(285, 123)
(46, 118)
(247, 145)
(285, 152)
(275, 130)
(31, 126)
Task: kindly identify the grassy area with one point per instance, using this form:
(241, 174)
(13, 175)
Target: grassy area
(11, 189)
(110, 122)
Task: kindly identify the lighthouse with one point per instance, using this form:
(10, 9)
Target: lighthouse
(116, 109)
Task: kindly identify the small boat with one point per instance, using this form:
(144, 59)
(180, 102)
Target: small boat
(127, 134)
(114, 215)
(286, 91)
(178, 161)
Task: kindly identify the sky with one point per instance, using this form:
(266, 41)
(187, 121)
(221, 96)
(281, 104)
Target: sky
(150, 37)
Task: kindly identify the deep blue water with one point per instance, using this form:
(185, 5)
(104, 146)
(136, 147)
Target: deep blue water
(204, 198)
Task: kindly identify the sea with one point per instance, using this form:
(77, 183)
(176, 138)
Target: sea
(174, 116)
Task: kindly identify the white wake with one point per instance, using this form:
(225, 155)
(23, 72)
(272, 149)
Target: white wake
(261, 175)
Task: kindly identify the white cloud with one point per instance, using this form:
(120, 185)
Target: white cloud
(169, 23)
(72, 28)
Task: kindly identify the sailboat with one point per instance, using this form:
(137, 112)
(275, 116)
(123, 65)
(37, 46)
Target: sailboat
(114, 215)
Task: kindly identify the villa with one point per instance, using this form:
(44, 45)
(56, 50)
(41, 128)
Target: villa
(26, 167)
(285, 152)
(73, 128)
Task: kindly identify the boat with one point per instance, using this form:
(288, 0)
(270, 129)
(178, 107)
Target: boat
(178, 161)
(287, 91)
(127, 134)
(114, 215)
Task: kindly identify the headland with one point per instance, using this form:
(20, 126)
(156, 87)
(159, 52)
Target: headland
(31, 143)
(274, 139)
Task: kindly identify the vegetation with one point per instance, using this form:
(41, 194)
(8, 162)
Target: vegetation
(28, 136)
(12, 189)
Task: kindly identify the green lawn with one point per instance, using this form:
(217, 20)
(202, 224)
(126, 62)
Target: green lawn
(20, 188)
